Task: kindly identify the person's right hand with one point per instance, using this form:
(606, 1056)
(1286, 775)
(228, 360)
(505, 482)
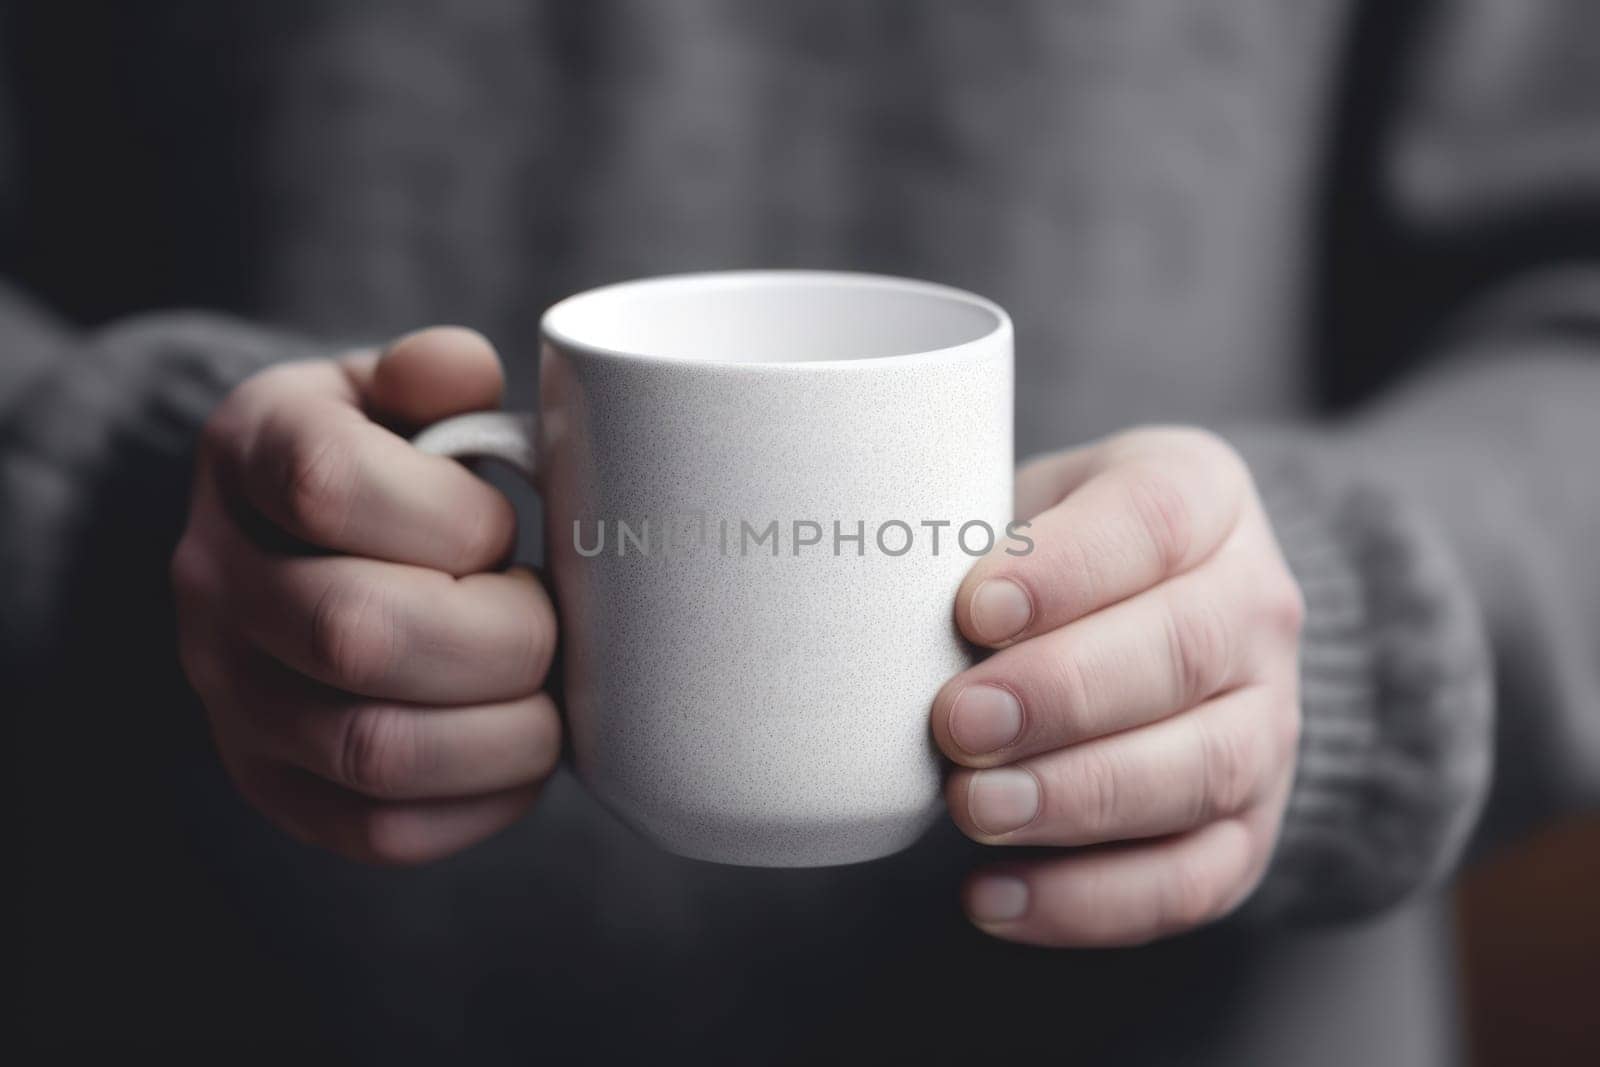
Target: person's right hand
(373, 684)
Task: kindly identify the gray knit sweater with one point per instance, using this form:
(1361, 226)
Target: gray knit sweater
(1364, 242)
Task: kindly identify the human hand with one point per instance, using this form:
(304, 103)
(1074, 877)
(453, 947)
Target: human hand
(372, 683)
(1142, 710)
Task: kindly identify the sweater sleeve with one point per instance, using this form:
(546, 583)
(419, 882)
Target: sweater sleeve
(1444, 540)
(96, 435)
(1445, 530)
(96, 429)
(1395, 690)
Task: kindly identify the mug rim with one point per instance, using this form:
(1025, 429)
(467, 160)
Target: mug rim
(552, 331)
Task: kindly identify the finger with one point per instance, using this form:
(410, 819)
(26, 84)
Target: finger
(383, 832)
(1119, 895)
(198, 574)
(388, 750)
(1128, 665)
(195, 580)
(393, 631)
(1217, 760)
(298, 449)
(1146, 516)
(434, 373)
(1045, 480)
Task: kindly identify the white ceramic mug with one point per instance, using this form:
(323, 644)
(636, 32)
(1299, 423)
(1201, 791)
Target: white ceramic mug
(745, 680)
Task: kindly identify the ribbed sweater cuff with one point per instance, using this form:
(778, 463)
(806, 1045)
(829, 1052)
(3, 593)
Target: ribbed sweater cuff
(1395, 687)
(97, 457)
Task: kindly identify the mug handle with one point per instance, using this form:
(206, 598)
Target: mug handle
(504, 435)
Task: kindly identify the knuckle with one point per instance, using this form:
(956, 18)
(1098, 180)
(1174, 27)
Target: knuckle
(1163, 511)
(197, 655)
(549, 744)
(268, 379)
(1231, 771)
(1286, 606)
(391, 837)
(1192, 896)
(380, 753)
(220, 430)
(187, 571)
(539, 640)
(1286, 727)
(1072, 693)
(202, 668)
(1206, 449)
(224, 430)
(1198, 647)
(1079, 571)
(482, 535)
(1217, 453)
(1092, 792)
(316, 484)
(352, 637)
(1195, 444)
(217, 433)
(247, 784)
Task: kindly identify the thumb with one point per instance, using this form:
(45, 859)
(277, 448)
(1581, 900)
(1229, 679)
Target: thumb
(425, 376)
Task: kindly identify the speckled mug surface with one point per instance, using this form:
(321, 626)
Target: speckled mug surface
(762, 491)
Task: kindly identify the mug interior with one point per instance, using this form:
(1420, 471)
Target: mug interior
(773, 317)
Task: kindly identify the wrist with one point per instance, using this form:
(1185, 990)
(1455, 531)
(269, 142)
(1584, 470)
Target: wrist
(1396, 696)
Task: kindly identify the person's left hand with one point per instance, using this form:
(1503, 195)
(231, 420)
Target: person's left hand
(1143, 710)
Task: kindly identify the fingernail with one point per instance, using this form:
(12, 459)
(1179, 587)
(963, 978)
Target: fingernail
(1002, 800)
(997, 898)
(984, 718)
(1000, 609)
